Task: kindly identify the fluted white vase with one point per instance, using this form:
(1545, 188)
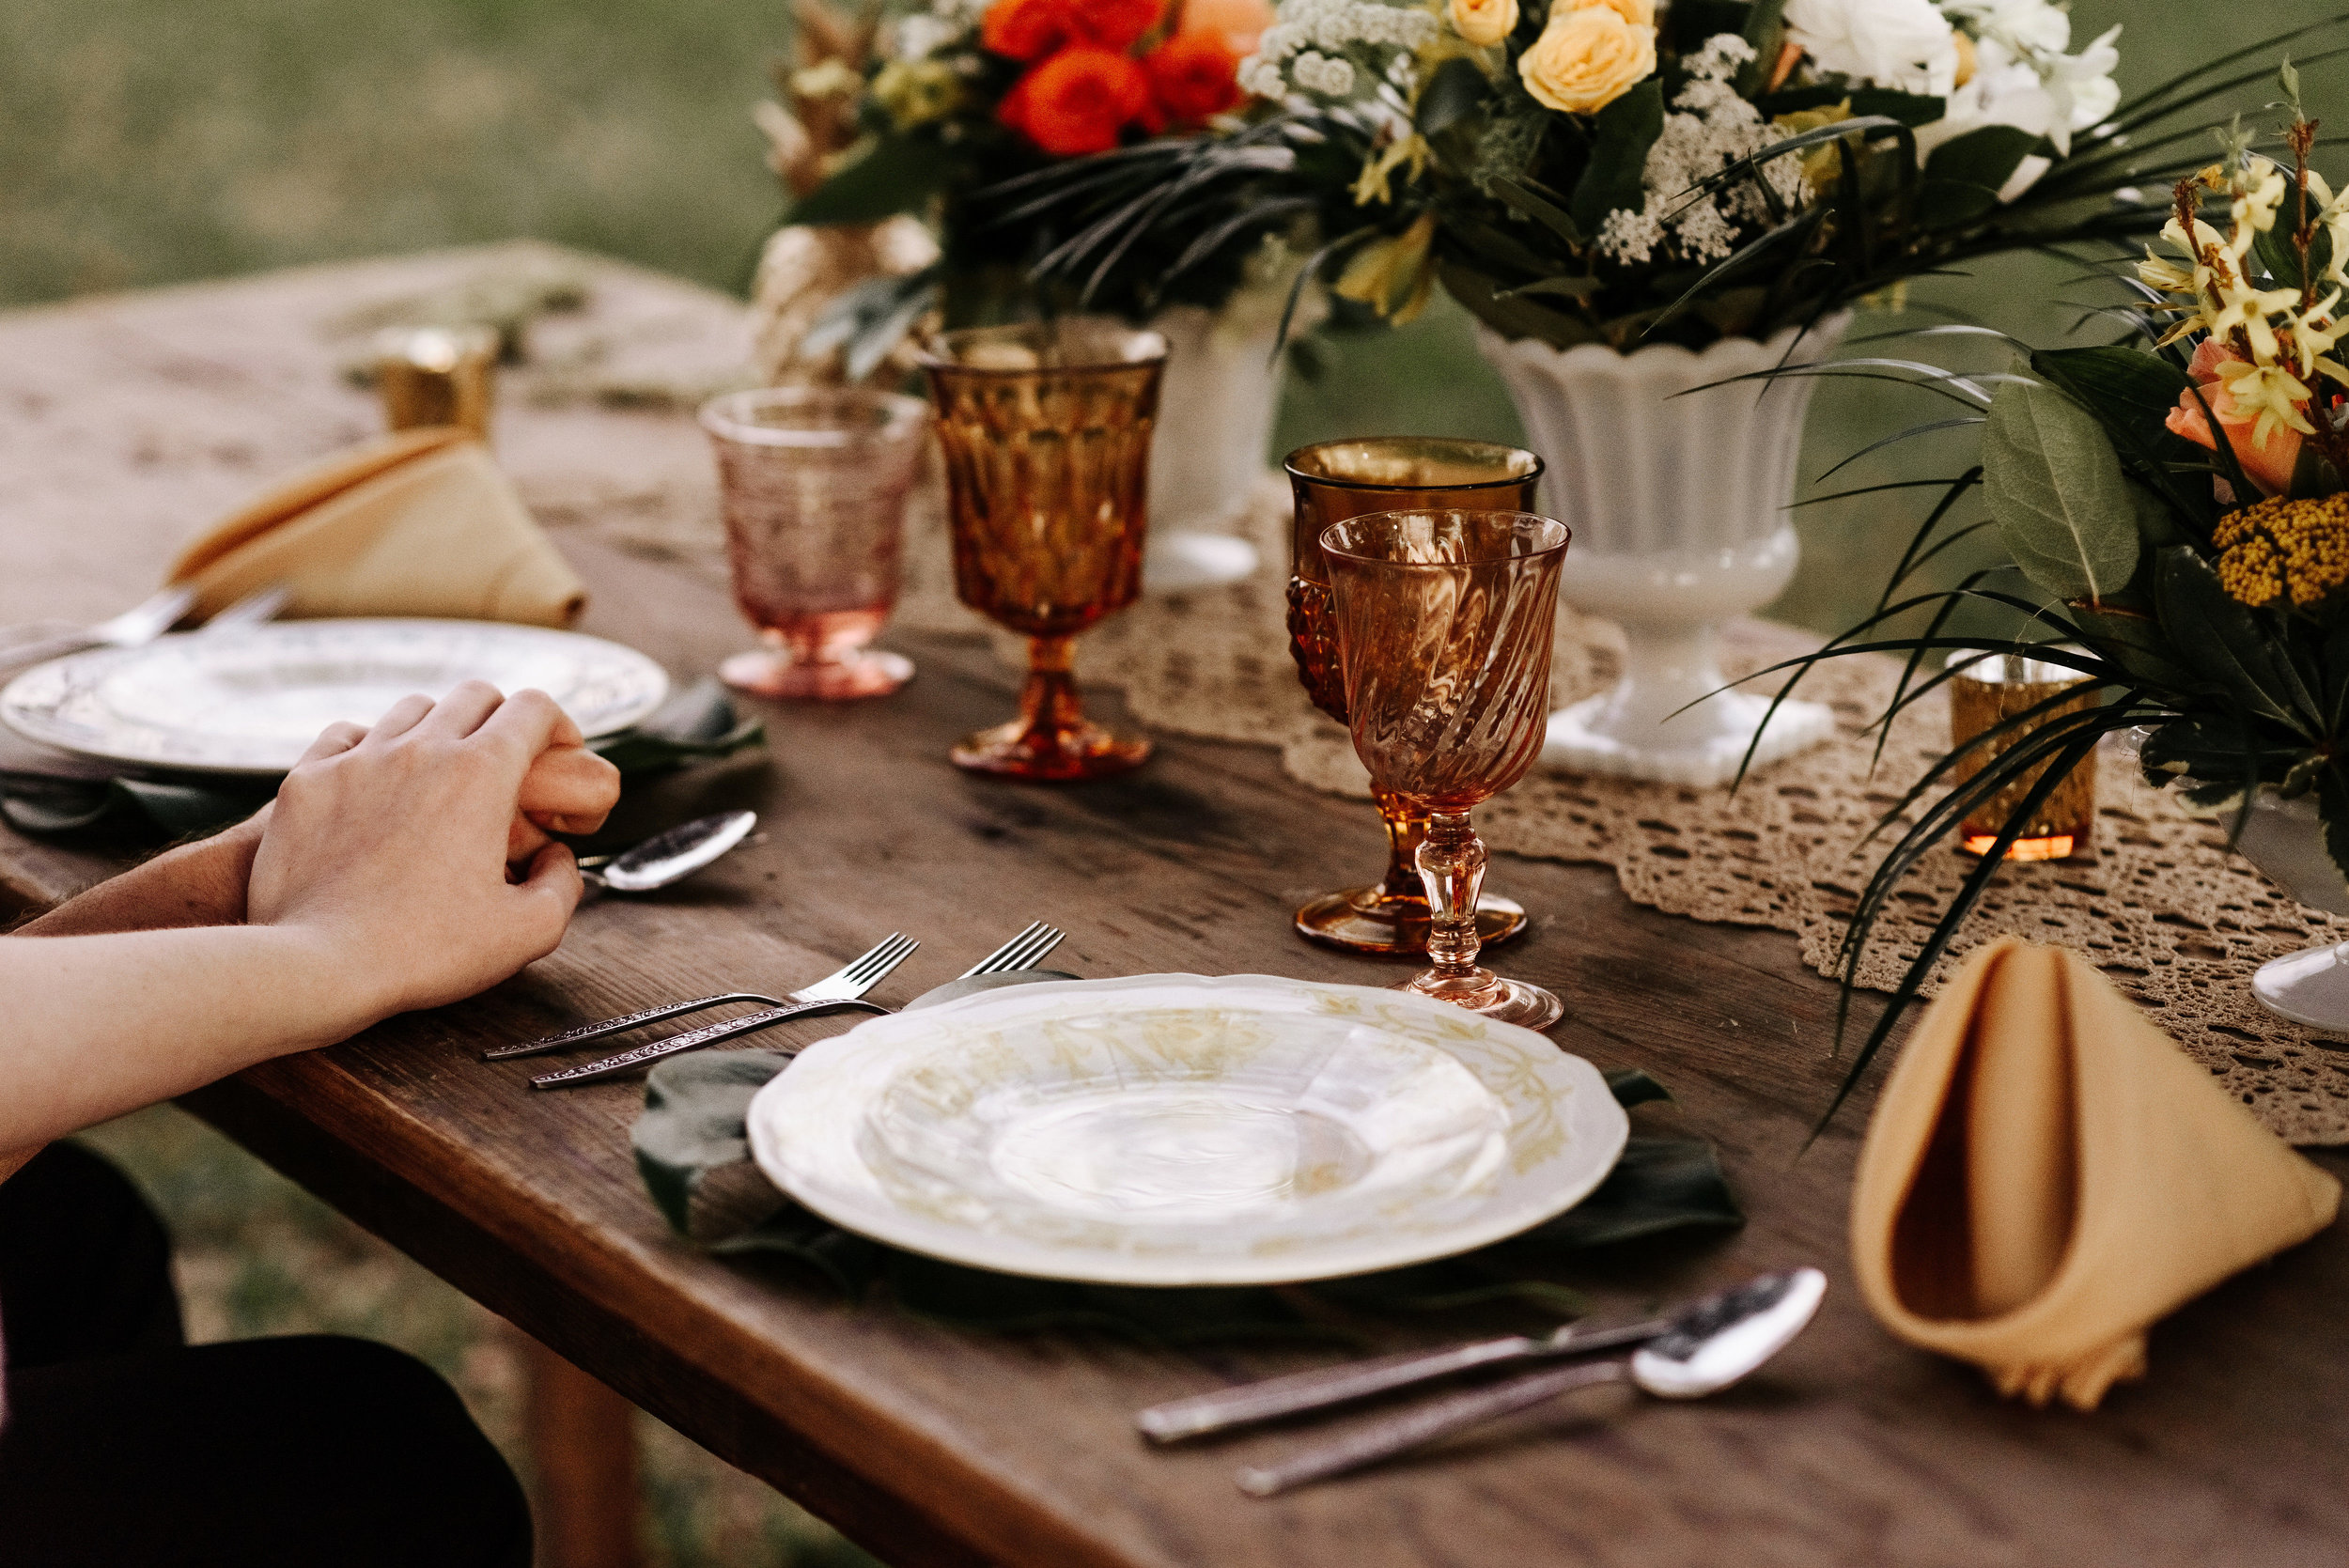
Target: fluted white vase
(1215, 406)
(1678, 502)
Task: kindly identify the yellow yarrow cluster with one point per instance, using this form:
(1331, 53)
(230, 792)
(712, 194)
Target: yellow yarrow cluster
(2285, 548)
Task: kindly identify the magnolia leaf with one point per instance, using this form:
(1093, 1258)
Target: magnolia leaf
(2223, 642)
(1539, 208)
(1512, 318)
(2123, 385)
(1910, 109)
(1564, 287)
(2054, 484)
(2135, 644)
(1621, 134)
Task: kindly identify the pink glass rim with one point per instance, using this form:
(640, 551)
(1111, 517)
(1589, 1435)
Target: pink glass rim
(1549, 537)
(1136, 347)
(1292, 465)
(836, 416)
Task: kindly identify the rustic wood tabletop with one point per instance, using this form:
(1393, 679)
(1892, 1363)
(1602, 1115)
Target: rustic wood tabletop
(126, 423)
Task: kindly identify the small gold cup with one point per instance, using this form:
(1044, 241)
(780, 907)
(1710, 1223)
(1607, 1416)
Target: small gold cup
(1987, 689)
(437, 376)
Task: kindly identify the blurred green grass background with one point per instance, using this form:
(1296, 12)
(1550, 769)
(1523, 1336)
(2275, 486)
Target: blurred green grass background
(147, 142)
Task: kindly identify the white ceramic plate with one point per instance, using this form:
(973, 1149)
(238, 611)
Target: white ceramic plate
(251, 699)
(1177, 1130)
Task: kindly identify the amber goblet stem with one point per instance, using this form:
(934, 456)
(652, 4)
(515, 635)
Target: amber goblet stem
(1405, 831)
(1451, 867)
(1048, 703)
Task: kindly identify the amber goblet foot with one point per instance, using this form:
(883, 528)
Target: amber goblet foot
(1443, 624)
(1051, 739)
(1391, 915)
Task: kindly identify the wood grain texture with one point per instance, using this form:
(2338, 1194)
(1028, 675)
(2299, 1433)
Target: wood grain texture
(934, 1446)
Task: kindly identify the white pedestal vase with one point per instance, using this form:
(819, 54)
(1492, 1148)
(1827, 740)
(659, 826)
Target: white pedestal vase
(1678, 507)
(2284, 839)
(1216, 407)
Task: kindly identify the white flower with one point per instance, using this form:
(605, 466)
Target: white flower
(1316, 45)
(1710, 127)
(2023, 78)
(1891, 43)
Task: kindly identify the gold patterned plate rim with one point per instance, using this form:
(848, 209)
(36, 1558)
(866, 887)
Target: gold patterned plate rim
(1182, 1130)
(248, 701)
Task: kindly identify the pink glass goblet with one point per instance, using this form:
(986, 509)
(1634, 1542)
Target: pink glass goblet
(814, 482)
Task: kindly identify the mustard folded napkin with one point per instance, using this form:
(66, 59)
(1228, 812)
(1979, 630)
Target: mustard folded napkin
(2048, 1175)
(418, 524)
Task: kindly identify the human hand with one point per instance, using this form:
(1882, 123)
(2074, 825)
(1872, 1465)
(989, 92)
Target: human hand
(388, 847)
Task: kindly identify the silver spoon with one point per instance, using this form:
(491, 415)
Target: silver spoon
(1716, 1341)
(669, 857)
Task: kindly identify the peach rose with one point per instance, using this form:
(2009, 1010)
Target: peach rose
(2266, 464)
(1586, 59)
(1639, 13)
(1484, 22)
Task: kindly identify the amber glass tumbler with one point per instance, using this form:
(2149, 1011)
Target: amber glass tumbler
(1985, 691)
(1331, 482)
(1444, 623)
(814, 482)
(1046, 431)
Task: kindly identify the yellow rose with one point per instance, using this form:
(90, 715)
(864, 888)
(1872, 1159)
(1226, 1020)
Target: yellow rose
(1586, 59)
(1484, 22)
(1639, 13)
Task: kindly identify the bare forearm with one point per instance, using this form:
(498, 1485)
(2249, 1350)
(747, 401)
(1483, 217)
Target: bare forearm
(93, 1027)
(196, 884)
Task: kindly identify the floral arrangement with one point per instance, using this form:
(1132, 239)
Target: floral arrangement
(1615, 171)
(964, 99)
(2180, 503)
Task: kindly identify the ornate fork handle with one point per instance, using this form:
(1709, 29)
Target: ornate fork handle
(612, 1067)
(624, 1022)
(1399, 1433)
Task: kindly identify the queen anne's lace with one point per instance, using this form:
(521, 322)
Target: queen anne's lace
(1710, 129)
(1307, 46)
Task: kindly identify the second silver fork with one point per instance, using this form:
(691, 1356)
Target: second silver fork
(1023, 950)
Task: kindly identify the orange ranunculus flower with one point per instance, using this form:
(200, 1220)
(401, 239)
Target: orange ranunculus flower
(1193, 76)
(1116, 24)
(1237, 23)
(1026, 29)
(1078, 102)
(2266, 464)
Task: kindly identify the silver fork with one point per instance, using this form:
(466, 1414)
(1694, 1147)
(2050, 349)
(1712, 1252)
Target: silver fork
(257, 608)
(627, 1022)
(135, 628)
(1022, 952)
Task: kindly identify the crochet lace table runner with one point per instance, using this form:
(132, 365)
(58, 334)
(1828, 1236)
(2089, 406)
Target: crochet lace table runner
(2163, 907)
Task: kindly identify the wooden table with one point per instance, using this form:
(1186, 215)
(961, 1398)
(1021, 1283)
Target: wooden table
(125, 422)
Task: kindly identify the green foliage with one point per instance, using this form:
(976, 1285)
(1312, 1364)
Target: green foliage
(1620, 135)
(2054, 483)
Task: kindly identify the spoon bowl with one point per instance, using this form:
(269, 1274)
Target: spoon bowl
(669, 857)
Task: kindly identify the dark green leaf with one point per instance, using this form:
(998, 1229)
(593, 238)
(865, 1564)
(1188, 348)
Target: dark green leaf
(1964, 175)
(1538, 207)
(1910, 109)
(698, 724)
(2223, 642)
(1661, 1185)
(1766, 30)
(1631, 1086)
(1454, 93)
(1620, 135)
(897, 173)
(1512, 318)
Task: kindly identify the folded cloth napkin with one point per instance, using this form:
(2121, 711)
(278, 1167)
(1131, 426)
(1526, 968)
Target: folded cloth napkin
(2048, 1175)
(417, 523)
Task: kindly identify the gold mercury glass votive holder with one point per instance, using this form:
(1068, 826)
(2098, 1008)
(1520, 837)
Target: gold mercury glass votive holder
(1987, 689)
(437, 376)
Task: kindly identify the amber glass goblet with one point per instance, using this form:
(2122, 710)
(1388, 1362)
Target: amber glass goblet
(813, 483)
(1045, 429)
(1443, 621)
(1340, 479)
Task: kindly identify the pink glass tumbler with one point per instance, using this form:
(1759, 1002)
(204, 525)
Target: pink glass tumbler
(813, 483)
